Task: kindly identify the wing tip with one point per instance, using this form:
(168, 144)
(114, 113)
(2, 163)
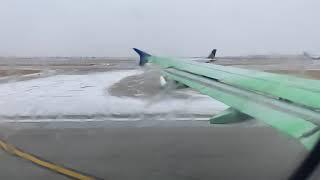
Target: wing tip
(143, 56)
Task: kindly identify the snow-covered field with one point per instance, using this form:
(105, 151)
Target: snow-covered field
(87, 95)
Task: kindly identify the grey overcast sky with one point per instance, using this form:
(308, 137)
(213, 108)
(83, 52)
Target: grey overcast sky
(167, 27)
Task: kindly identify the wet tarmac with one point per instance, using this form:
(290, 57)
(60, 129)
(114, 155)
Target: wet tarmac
(159, 150)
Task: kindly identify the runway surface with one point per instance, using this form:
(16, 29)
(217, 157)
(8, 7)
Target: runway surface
(159, 150)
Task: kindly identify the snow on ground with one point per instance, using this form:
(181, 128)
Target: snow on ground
(87, 94)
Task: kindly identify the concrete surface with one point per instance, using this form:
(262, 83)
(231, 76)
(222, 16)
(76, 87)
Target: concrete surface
(155, 151)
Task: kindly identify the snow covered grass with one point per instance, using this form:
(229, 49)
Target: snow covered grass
(87, 94)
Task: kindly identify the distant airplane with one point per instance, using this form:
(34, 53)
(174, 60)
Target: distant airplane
(213, 54)
(310, 56)
(210, 59)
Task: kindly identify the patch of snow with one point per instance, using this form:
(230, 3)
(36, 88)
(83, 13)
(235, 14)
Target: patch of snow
(87, 94)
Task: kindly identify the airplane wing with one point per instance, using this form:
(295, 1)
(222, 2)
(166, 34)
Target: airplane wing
(289, 104)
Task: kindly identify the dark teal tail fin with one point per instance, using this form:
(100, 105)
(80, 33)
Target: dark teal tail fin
(143, 56)
(213, 54)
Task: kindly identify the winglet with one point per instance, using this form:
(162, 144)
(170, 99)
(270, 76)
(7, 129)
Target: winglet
(143, 56)
(213, 54)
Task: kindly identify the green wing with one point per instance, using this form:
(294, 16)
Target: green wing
(287, 103)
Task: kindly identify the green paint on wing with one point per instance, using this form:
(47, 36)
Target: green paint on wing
(301, 95)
